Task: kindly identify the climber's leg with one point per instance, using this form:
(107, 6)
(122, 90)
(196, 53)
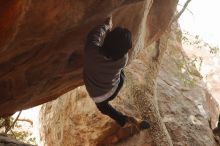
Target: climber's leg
(121, 119)
(107, 109)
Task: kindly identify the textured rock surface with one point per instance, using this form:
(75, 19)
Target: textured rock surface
(42, 41)
(76, 121)
(188, 110)
(185, 110)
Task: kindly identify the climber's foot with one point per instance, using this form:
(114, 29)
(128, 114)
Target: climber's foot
(144, 125)
(137, 123)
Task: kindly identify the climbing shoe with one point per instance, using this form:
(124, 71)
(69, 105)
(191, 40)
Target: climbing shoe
(144, 125)
(137, 123)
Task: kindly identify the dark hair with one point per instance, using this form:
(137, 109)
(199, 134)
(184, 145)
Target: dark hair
(116, 43)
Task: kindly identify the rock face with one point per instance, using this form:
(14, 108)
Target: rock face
(187, 109)
(41, 45)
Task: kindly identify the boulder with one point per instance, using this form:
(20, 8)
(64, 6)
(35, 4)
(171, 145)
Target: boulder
(41, 45)
(187, 108)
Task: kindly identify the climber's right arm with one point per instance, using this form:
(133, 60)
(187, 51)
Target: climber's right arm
(96, 36)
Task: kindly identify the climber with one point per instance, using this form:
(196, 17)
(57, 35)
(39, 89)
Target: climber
(106, 54)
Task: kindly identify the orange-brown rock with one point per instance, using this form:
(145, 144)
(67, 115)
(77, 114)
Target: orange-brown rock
(41, 43)
(186, 108)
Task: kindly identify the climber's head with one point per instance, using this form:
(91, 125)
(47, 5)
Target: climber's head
(116, 43)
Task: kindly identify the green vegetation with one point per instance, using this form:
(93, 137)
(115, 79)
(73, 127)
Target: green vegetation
(198, 43)
(13, 128)
(189, 74)
(189, 66)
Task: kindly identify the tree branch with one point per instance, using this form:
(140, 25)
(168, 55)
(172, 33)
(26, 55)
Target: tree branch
(181, 12)
(13, 134)
(26, 120)
(187, 9)
(12, 125)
